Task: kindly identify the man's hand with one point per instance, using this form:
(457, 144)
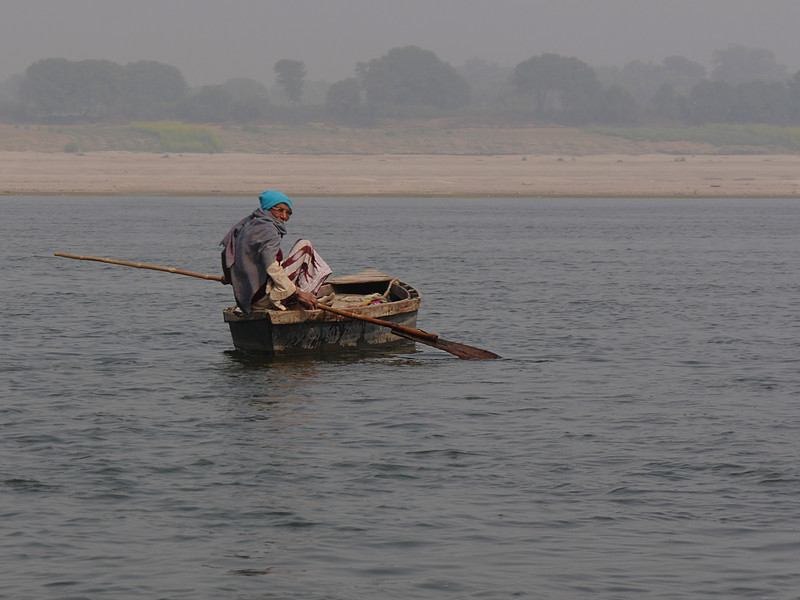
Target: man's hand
(306, 299)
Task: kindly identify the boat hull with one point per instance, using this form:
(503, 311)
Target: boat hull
(272, 332)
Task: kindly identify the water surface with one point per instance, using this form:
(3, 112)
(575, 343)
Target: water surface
(638, 439)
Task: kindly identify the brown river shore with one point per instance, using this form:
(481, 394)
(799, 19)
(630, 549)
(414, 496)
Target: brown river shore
(405, 175)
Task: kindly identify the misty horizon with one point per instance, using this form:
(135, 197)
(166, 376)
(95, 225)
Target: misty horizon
(211, 42)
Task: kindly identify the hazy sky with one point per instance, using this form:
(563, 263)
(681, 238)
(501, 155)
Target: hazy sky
(214, 40)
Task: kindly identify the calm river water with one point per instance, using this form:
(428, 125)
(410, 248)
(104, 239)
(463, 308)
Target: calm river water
(640, 437)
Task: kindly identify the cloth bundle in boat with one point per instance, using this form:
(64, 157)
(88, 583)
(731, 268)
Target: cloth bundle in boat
(304, 270)
(305, 267)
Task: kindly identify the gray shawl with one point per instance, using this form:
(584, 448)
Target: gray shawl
(251, 246)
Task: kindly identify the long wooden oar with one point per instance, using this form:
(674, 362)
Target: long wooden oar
(139, 266)
(431, 337)
(417, 335)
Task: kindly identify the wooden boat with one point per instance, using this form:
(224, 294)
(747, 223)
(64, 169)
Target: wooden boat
(368, 293)
(271, 332)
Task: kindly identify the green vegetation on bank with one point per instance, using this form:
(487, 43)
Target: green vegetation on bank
(719, 135)
(434, 137)
(180, 137)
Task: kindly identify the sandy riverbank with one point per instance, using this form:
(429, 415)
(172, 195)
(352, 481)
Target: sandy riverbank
(108, 173)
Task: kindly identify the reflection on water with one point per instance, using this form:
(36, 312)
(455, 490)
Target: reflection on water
(325, 356)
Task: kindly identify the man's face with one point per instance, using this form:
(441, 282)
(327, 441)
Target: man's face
(281, 211)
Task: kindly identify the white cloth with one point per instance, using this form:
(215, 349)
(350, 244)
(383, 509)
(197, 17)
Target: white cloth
(279, 286)
(303, 269)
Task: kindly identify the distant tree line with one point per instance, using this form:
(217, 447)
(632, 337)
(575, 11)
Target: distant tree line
(746, 85)
(99, 88)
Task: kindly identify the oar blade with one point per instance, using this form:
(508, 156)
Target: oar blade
(460, 350)
(465, 351)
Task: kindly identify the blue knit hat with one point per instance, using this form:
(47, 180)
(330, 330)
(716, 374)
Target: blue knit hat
(272, 198)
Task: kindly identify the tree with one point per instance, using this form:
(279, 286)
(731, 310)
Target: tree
(243, 88)
(151, 80)
(11, 106)
(644, 79)
(45, 89)
(761, 102)
(57, 86)
(559, 84)
(668, 103)
(682, 73)
(149, 85)
(641, 79)
(11, 88)
(99, 88)
(101, 81)
(793, 89)
(711, 102)
(617, 106)
(210, 104)
(344, 98)
(248, 99)
(411, 76)
(739, 64)
(290, 76)
(486, 80)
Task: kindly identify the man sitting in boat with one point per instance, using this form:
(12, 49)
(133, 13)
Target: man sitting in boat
(253, 263)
